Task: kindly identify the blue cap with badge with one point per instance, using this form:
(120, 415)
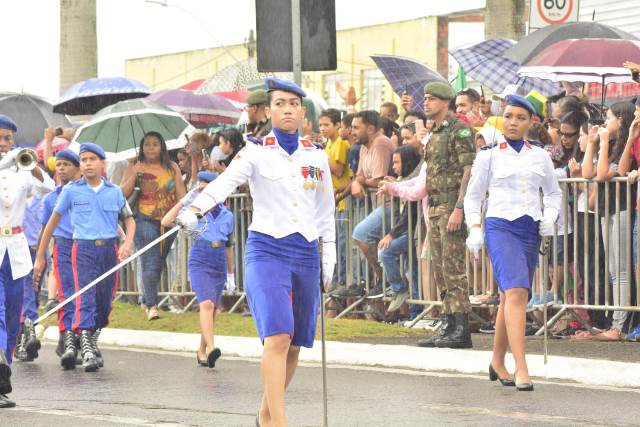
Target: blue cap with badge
(271, 84)
(69, 156)
(520, 101)
(207, 176)
(90, 147)
(7, 123)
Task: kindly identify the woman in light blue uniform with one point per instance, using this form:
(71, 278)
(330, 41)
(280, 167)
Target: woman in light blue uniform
(513, 172)
(208, 264)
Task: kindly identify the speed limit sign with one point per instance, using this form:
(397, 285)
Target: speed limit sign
(552, 12)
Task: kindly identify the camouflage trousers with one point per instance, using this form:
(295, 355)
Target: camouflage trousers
(448, 251)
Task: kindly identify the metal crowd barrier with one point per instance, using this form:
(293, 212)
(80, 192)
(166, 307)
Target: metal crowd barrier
(579, 282)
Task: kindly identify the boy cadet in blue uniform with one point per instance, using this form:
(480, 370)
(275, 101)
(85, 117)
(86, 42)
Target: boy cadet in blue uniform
(95, 206)
(293, 206)
(15, 262)
(208, 264)
(67, 170)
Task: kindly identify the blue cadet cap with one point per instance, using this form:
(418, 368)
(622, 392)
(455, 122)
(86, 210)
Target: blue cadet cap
(522, 102)
(93, 148)
(271, 84)
(68, 155)
(7, 123)
(207, 176)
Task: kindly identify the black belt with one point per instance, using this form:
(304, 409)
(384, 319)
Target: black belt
(97, 242)
(209, 243)
(62, 241)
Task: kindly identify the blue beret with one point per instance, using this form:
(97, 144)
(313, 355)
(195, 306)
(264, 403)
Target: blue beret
(206, 176)
(271, 84)
(522, 102)
(93, 148)
(68, 155)
(7, 123)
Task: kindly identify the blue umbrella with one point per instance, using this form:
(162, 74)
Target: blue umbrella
(92, 95)
(485, 63)
(407, 75)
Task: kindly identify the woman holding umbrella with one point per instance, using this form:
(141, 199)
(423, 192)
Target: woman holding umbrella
(161, 185)
(513, 172)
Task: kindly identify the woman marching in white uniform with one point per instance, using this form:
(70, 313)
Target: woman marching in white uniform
(513, 172)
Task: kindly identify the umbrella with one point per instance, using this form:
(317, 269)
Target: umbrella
(485, 63)
(192, 85)
(202, 111)
(407, 75)
(120, 127)
(92, 95)
(32, 114)
(584, 60)
(238, 76)
(57, 145)
(537, 41)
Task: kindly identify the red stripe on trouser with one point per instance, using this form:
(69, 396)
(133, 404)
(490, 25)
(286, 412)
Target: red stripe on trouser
(61, 295)
(76, 283)
(115, 286)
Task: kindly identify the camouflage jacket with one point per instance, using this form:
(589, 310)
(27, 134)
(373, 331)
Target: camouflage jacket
(450, 148)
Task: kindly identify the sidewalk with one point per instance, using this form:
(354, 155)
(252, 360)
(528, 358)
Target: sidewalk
(583, 370)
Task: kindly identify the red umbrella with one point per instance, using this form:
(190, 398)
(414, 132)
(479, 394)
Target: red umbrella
(238, 96)
(192, 85)
(58, 144)
(584, 60)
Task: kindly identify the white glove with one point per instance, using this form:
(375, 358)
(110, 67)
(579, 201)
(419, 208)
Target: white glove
(475, 240)
(188, 220)
(231, 282)
(328, 263)
(9, 159)
(548, 220)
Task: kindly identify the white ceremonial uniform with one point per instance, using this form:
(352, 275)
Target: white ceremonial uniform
(288, 194)
(513, 180)
(16, 186)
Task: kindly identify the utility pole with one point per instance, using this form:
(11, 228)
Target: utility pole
(78, 42)
(505, 19)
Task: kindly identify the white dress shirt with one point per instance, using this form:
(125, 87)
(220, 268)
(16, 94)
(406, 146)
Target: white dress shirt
(288, 194)
(514, 180)
(16, 186)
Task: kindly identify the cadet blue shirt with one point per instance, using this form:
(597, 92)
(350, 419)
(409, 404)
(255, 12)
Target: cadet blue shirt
(64, 228)
(32, 220)
(217, 224)
(94, 215)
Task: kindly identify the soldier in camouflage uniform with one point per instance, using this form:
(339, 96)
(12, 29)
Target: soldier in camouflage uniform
(449, 154)
(258, 124)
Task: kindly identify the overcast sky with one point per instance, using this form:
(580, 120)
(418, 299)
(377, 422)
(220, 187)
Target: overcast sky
(135, 28)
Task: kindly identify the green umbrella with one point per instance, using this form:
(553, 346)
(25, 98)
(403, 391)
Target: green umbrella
(460, 81)
(120, 127)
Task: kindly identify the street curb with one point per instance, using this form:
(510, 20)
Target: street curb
(586, 371)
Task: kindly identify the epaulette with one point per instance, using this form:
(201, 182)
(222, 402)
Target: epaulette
(536, 143)
(488, 146)
(254, 139)
(318, 146)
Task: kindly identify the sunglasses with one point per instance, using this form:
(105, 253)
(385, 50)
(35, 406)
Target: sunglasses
(568, 135)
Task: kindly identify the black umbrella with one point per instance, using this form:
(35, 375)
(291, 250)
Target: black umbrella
(534, 43)
(32, 114)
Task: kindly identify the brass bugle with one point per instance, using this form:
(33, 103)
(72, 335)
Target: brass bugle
(27, 159)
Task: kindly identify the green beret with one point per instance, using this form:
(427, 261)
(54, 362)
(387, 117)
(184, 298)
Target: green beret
(439, 90)
(257, 97)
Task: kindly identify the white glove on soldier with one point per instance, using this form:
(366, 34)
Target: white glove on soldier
(475, 240)
(231, 282)
(328, 263)
(9, 159)
(188, 220)
(548, 220)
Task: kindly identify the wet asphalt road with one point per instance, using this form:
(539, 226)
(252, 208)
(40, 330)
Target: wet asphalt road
(162, 389)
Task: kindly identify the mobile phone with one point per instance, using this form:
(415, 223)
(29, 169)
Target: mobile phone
(59, 131)
(205, 155)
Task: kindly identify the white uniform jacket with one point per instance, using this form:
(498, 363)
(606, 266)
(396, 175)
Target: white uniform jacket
(291, 193)
(16, 186)
(514, 181)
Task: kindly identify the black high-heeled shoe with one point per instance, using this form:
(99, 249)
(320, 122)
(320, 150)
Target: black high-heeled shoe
(525, 386)
(493, 376)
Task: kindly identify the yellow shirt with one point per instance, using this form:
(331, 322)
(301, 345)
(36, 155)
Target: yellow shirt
(337, 152)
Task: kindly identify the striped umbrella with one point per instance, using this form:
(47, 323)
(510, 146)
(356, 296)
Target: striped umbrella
(485, 64)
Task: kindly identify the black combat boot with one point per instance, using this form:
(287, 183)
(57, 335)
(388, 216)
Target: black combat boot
(33, 343)
(89, 362)
(70, 352)
(5, 374)
(21, 348)
(94, 340)
(460, 337)
(448, 325)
